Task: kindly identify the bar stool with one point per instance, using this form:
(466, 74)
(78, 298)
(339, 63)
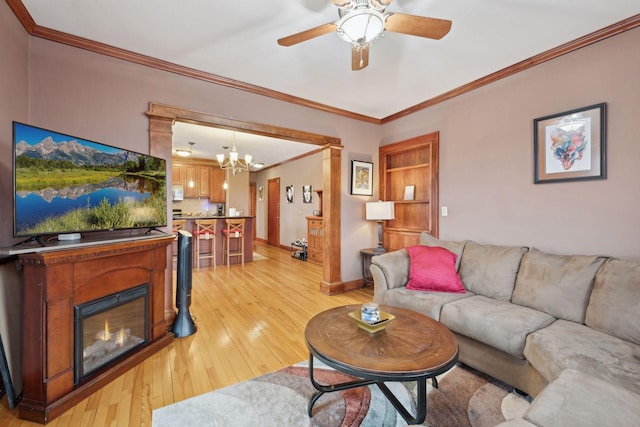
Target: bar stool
(205, 230)
(176, 225)
(234, 230)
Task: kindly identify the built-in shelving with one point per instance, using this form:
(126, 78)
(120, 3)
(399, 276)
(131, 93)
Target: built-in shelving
(413, 162)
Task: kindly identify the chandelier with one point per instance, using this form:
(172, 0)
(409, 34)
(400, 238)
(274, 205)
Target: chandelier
(234, 163)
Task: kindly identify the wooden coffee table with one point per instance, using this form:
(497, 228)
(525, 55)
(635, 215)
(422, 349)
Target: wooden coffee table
(412, 347)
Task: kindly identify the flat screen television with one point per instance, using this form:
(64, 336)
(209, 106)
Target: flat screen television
(65, 186)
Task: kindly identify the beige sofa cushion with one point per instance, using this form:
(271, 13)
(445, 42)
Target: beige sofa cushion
(578, 399)
(427, 239)
(425, 302)
(499, 324)
(556, 284)
(490, 270)
(614, 307)
(569, 345)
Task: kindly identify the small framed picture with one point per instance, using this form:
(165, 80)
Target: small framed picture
(570, 146)
(409, 192)
(261, 193)
(307, 195)
(289, 193)
(361, 178)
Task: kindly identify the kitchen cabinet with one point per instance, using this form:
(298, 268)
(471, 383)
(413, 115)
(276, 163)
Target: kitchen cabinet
(199, 179)
(217, 193)
(177, 174)
(315, 237)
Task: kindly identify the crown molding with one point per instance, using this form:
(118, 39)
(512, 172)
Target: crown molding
(35, 30)
(571, 46)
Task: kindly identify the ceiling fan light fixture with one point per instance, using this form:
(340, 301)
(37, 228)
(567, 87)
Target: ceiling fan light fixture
(184, 152)
(361, 26)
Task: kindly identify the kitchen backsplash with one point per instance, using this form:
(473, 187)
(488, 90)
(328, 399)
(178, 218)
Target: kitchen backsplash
(195, 206)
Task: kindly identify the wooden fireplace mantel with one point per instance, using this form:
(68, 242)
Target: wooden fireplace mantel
(54, 283)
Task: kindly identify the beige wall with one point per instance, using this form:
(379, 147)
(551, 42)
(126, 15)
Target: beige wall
(486, 172)
(14, 101)
(486, 155)
(305, 171)
(104, 99)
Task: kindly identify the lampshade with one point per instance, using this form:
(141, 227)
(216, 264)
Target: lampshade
(361, 27)
(379, 211)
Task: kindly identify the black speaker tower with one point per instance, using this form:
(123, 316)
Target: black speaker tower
(184, 326)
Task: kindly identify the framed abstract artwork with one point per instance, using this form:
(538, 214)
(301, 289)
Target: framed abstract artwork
(570, 146)
(361, 178)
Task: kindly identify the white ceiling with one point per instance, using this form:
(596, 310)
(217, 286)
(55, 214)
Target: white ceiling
(210, 141)
(237, 40)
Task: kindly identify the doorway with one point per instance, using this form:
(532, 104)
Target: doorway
(273, 212)
(161, 118)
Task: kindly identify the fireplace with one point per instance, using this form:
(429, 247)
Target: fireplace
(108, 329)
(70, 296)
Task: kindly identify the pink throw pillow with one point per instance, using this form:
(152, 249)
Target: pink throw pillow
(433, 268)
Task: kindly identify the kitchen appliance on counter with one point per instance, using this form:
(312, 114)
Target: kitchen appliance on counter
(177, 213)
(220, 209)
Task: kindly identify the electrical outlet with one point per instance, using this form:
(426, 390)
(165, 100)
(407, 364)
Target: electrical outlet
(445, 211)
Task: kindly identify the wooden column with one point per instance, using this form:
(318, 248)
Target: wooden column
(331, 275)
(160, 145)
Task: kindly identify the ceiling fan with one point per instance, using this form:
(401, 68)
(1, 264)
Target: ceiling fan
(362, 21)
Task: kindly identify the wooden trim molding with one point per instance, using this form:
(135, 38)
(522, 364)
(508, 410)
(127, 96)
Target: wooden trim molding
(206, 119)
(571, 46)
(35, 30)
(82, 43)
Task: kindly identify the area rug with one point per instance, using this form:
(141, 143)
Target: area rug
(464, 398)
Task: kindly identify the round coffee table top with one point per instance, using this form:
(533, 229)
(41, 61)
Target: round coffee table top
(411, 346)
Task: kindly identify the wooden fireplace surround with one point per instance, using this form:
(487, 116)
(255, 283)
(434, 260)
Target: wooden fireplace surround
(54, 282)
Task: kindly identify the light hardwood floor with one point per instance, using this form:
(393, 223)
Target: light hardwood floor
(250, 322)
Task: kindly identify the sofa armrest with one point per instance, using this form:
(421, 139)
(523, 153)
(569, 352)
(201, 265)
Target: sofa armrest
(389, 270)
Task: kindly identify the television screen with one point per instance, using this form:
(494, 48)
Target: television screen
(64, 184)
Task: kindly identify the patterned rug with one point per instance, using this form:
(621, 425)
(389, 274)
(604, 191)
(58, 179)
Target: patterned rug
(464, 398)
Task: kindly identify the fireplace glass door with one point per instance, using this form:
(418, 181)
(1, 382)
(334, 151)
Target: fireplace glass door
(109, 328)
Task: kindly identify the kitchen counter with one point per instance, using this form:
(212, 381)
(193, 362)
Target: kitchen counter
(210, 216)
(204, 244)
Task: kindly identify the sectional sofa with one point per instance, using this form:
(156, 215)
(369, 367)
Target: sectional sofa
(564, 329)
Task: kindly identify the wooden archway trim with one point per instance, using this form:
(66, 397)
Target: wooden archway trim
(161, 119)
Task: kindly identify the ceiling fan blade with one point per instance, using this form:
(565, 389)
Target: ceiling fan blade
(359, 58)
(307, 35)
(431, 28)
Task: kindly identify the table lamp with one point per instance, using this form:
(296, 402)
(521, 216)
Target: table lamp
(379, 211)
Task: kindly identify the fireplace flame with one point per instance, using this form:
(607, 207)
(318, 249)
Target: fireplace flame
(104, 335)
(120, 338)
